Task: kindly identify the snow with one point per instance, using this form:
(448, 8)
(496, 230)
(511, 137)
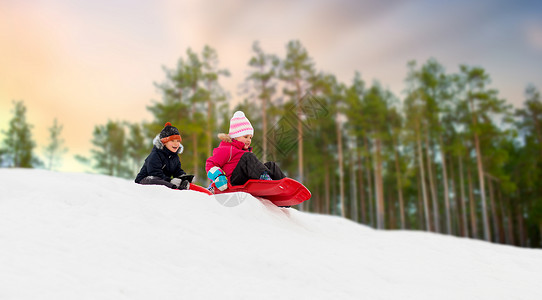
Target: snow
(85, 236)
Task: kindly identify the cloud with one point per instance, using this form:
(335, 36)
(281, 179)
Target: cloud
(81, 68)
(533, 34)
(89, 61)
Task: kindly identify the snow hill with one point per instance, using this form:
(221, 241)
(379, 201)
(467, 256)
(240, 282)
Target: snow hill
(83, 236)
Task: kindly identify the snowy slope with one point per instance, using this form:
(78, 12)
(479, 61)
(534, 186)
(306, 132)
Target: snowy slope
(82, 236)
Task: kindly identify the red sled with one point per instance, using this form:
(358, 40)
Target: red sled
(197, 188)
(283, 192)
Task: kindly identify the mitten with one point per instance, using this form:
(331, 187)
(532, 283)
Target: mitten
(187, 177)
(218, 177)
(176, 182)
(185, 185)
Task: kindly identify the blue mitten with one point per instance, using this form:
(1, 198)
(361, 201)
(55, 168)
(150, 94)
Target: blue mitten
(218, 177)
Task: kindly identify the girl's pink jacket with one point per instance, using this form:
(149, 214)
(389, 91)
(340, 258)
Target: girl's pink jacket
(226, 156)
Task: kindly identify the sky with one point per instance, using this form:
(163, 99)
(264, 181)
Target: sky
(87, 62)
(121, 240)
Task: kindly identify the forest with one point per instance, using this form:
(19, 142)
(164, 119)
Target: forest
(448, 156)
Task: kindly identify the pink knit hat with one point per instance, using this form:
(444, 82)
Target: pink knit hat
(240, 125)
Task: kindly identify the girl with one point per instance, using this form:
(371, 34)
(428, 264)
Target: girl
(233, 159)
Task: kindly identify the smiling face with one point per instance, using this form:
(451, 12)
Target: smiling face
(173, 145)
(246, 139)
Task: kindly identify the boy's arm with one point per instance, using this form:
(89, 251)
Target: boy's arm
(179, 171)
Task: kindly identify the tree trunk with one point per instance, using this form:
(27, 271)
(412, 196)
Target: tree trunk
(493, 208)
(487, 233)
(369, 184)
(506, 222)
(502, 233)
(341, 169)
(195, 153)
(379, 185)
(264, 125)
(195, 159)
(521, 228)
(432, 189)
(399, 185)
(446, 192)
(538, 129)
(195, 148)
(299, 136)
(472, 206)
(362, 199)
(209, 132)
(511, 225)
(333, 198)
(422, 179)
(327, 187)
(454, 207)
(391, 212)
(420, 206)
(463, 200)
(354, 215)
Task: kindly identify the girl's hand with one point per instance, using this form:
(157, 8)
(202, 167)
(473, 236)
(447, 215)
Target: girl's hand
(218, 177)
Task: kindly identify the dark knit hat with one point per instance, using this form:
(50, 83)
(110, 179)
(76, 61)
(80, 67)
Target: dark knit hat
(169, 133)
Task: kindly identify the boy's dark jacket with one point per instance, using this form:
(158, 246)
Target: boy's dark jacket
(161, 163)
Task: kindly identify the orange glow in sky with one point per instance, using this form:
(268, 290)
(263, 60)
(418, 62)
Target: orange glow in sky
(86, 62)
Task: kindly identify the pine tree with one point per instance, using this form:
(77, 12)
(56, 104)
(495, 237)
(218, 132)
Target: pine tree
(191, 97)
(55, 149)
(481, 106)
(395, 125)
(18, 141)
(181, 105)
(354, 114)
(297, 69)
(414, 112)
(213, 91)
(2, 153)
(265, 70)
(528, 162)
(530, 117)
(109, 154)
(198, 96)
(455, 137)
(376, 106)
(138, 146)
(327, 88)
(432, 93)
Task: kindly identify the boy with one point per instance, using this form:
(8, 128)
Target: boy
(162, 166)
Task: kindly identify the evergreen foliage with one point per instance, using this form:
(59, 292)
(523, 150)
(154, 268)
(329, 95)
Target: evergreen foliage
(18, 144)
(55, 149)
(110, 150)
(450, 156)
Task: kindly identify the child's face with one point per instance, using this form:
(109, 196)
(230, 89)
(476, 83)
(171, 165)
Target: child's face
(247, 139)
(173, 145)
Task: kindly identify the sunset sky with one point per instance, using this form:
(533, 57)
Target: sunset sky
(86, 62)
